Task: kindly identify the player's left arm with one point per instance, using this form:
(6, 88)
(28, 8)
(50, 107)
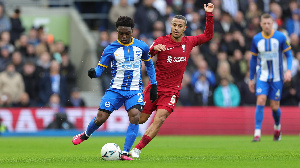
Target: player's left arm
(286, 48)
(209, 27)
(149, 65)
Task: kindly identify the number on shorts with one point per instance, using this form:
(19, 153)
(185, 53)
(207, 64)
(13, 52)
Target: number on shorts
(141, 97)
(278, 93)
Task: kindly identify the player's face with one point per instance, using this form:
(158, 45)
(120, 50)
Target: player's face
(266, 25)
(124, 34)
(177, 27)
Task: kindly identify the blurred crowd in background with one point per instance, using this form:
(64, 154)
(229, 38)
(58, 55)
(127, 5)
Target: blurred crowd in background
(35, 70)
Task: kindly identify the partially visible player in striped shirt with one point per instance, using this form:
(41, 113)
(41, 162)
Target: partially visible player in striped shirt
(267, 62)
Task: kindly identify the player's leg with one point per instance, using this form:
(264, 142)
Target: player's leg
(135, 104)
(262, 89)
(149, 106)
(107, 105)
(275, 96)
(159, 118)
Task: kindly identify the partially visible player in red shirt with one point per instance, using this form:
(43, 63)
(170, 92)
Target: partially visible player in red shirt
(172, 53)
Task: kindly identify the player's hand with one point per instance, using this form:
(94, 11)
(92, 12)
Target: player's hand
(92, 73)
(251, 86)
(153, 93)
(287, 76)
(209, 8)
(159, 47)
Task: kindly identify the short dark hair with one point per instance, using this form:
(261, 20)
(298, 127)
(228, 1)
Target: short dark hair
(125, 21)
(181, 17)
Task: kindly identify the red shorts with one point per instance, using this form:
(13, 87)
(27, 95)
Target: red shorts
(165, 100)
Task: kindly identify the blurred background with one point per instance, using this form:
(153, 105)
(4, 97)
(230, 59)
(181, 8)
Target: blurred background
(47, 46)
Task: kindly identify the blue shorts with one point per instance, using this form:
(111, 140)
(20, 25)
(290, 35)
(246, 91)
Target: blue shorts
(271, 89)
(113, 99)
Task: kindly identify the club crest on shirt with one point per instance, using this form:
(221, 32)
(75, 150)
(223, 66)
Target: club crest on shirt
(183, 47)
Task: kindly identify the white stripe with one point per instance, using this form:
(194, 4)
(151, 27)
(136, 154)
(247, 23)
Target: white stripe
(276, 63)
(118, 79)
(137, 72)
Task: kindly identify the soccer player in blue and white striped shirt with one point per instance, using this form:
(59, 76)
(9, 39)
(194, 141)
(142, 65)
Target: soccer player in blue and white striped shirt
(125, 56)
(267, 49)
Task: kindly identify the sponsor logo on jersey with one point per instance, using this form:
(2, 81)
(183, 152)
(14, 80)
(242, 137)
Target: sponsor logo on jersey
(171, 59)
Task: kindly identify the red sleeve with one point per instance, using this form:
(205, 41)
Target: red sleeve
(209, 30)
(152, 52)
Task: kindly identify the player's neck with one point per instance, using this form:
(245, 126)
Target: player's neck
(177, 39)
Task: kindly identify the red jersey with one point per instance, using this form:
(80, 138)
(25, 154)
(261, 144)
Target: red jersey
(171, 64)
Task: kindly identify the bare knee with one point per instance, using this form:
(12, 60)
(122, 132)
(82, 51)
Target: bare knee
(274, 105)
(261, 100)
(144, 117)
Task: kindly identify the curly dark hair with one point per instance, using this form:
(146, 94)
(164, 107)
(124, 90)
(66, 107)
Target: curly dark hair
(125, 21)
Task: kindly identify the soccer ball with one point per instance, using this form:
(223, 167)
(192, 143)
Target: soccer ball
(111, 151)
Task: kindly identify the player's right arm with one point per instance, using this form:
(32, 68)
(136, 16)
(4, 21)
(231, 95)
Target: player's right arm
(156, 47)
(253, 63)
(102, 64)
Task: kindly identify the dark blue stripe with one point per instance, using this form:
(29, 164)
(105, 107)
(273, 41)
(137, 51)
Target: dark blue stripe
(131, 53)
(269, 73)
(126, 54)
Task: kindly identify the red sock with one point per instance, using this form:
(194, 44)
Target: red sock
(143, 142)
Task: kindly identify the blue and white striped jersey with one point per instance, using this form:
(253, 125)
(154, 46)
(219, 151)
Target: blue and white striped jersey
(126, 64)
(269, 50)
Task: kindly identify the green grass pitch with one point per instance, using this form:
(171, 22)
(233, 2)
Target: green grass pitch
(162, 152)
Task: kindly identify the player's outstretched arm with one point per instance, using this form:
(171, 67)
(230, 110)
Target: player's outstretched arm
(209, 27)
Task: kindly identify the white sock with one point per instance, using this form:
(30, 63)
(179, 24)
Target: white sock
(257, 132)
(277, 127)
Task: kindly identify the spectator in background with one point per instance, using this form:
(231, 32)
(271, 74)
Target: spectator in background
(230, 6)
(247, 97)
(61, 122)
(30, 54)
(11, 82)
(293, 24)
(5, 24)
(103, 42)
(5, 41)
(44, 45)
(54, 102)
(43, 64)
(31, 81)
(226, 94)
(17, 60)
(122, 9)
(237, 66)
(21, 44)
(58, 48)
(295, 42)
(33, 37)
(185, 97)
(53, 82)
(67, 69)
(75, 99)
(5, 58)
(16, 26)
(24, 101)
(145, 16)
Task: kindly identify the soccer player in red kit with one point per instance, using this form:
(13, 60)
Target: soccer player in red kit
(172, 53)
